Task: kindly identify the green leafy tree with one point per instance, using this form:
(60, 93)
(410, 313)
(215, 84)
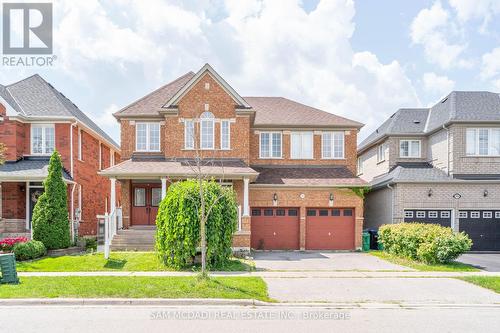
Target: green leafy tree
(50, 215)
(2, 153)
(179, 231)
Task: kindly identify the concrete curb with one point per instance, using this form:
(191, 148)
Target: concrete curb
(186, 302)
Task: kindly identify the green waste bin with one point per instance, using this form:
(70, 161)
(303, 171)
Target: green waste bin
(8, 268)
(366, 241)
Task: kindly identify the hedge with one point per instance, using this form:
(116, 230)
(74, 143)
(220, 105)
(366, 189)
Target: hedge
(178, 224)
(29, 250)
(429, 243)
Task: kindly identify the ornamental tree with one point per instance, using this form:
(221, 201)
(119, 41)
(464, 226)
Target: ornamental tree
(50, 215)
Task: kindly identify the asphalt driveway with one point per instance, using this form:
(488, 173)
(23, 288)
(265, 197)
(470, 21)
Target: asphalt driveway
(322, 261)
(487, 261)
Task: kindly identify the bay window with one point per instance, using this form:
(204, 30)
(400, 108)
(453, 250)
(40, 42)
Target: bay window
(42, 139)
(482, 141)
(332, 145)
(301, 145)
(147, 137)
(270, 145)
(207, 130)
(409, 148)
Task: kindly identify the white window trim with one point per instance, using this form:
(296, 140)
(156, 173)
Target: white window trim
(271, 145)
(111, 158)
(475, 215)
(213, 133)
(420, 212)
(462, 214)
(360, 166)
(476, 138)
(312, 146)
(100, 155)
(332, 133)
(408, 214)
(228, 134)
(409, 141)
(148, 137)
(433, 214)
(80, 145)
(381, 153)
(186, 135)
(497, 215)
(444, 214)
(487, 213)
(42, 126)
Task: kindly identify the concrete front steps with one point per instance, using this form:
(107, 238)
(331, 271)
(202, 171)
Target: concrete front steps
(134, 239)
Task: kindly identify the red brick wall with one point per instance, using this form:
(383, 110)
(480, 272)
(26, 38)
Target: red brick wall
(13, 201)
(350, 142)
(15, 136)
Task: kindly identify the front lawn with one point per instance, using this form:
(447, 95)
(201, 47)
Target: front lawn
(453, 266)
(490, 282)
(136, 287)
(118, 261)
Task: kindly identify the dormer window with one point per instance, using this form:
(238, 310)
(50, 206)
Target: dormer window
(42, 139)
(207, 121)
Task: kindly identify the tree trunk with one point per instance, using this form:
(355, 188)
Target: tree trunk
(203, 231)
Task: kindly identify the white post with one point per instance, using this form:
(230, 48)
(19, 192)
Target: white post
(1, 201)
(163, 187)
(246, 209)
(28, 210)
(112, 199)
(106, 235)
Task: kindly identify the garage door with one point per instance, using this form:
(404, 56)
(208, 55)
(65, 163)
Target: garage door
(275, 228)
(436, 216)
(330, 229)
(483, 227)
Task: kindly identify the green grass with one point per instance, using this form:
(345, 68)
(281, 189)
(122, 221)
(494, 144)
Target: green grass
(118, 261)
(490, 282)
(136, 287)
(453, 266)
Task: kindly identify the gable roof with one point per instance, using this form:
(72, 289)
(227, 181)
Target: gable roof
(152, 102)
(35, 97)
(458, 106)
(269, 111)
(206, 69)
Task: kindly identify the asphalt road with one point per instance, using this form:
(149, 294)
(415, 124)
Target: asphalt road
(488, 261)
(288, 319)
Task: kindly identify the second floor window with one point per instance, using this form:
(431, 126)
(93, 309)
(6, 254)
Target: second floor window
(207, 130)
(270, 145)
(409, 148)
(332, 145)
(189, 134)
(147, 136)
(42, 139)
(483, 142)
(301, 145)
(360, 166)
(224, 134)
(381, 153)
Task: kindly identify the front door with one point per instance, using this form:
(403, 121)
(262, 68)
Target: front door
(145, 201)
(35, 193)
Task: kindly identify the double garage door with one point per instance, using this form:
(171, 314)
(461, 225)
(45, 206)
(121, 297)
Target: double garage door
(279, 228)
(482, 226)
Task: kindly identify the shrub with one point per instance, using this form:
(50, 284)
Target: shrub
(90, 244)
(178, 224)
(29, 250)
(50, 215)
(429, 243)
(7, 244)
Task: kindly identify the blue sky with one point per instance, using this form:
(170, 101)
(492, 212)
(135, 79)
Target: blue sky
(360, 59)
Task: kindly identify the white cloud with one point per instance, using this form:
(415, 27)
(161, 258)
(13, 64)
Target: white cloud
(432, 28)
(477, 9)
(438, 85)
(496, 85)
(107, 122)
(491, 64)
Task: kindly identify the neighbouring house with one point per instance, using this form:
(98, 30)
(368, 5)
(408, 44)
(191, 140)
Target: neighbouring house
(438, 165)
(292, 166)
(35, 119)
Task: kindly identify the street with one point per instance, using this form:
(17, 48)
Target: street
(370, 318)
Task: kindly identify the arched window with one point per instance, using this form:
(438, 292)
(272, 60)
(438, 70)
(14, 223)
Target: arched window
(207, 130)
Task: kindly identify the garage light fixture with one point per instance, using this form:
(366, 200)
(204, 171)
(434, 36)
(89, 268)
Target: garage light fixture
(331, 199)
(429, 193)
(275, 198)
(485, 193)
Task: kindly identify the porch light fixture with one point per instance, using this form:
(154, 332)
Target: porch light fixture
(330, 202)
(331, 196)
(275, 197)
(485, 193)
(429, 193)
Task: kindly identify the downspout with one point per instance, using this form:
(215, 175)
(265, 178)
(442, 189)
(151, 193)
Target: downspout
(72, 212)
(72, 206)
(447, 149)
(392, 202)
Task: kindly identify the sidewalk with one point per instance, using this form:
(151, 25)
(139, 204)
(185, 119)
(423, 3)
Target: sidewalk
(279, 274)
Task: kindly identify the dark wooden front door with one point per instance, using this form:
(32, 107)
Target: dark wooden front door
(145, 201)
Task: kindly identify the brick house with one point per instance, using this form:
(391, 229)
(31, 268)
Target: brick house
(438, 165)
(35, 119)
(292, 166)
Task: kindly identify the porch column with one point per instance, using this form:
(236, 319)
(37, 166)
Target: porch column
(112, 199)
(163, 187)
(27, 214)
(246, 209)
(1, 201)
